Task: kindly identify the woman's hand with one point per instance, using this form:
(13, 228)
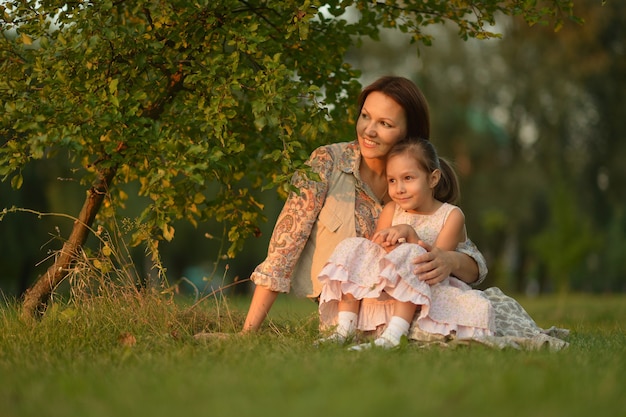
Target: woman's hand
(434, 265)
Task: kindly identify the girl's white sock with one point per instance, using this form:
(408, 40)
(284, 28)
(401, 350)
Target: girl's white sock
(346, 323)
(396, 328)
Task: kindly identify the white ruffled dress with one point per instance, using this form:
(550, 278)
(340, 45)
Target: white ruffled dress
(365, 270)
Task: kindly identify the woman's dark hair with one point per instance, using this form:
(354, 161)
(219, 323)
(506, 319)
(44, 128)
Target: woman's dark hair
(424, 152)
(404, 92)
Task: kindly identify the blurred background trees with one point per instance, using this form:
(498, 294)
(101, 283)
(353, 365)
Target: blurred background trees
(533, 122)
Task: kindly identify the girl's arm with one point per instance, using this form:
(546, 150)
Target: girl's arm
(386, 217)
(389, 236)
(453, 231)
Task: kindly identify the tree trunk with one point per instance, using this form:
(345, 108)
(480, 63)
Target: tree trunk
(37, 295)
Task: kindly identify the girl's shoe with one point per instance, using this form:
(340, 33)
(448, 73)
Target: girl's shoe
(335, 338)
(380, 343)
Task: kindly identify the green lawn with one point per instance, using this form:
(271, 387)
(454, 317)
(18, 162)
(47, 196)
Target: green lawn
(75, 363)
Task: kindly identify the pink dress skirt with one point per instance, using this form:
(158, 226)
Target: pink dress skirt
(365, 270)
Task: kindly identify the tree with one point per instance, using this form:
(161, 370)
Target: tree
(182, 96)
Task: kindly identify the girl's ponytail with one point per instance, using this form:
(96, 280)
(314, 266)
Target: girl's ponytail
(448, 189)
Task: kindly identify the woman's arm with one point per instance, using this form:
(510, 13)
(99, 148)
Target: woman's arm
(469, 248)
(294, 224)
(262, 301)
(290, 234)
(437, 264)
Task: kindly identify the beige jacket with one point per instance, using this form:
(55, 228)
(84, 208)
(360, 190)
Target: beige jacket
(334, 223)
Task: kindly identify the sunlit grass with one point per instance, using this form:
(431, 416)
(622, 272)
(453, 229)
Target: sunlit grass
(134, 354)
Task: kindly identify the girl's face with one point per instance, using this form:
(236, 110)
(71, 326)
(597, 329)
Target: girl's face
(381, 124)
(410, 186)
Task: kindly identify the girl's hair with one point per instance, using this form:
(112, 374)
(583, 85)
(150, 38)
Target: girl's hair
(424, 153)
(404, 92)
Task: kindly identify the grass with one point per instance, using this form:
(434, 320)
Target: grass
(130, 354)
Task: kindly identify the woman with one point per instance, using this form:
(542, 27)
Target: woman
(347, 200)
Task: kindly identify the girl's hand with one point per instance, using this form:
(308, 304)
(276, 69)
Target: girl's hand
(393, 236)
(433, 266)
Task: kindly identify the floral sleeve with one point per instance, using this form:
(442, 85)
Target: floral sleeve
(294, 224)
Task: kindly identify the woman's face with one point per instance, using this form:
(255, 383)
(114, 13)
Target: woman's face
(381, 124)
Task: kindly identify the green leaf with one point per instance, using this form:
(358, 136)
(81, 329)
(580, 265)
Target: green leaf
(17, 181)
(113, 85)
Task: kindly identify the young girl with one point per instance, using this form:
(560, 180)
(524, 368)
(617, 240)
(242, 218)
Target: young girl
(421, 186)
